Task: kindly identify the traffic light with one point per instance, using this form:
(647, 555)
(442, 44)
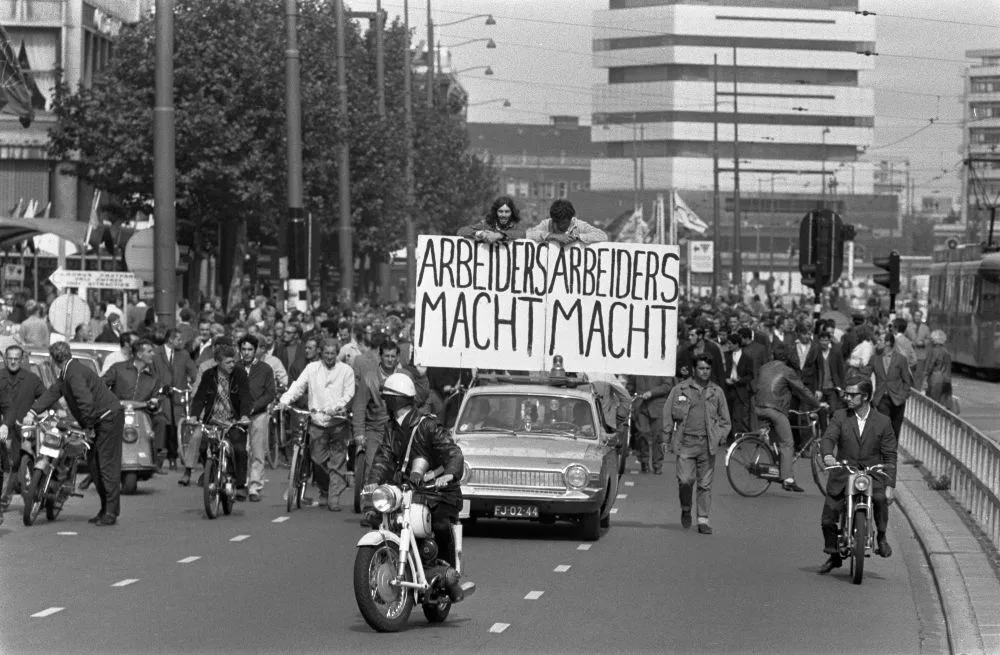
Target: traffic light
(889, 279)
(821, 248)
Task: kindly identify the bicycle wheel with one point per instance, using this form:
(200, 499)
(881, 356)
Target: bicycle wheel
(226, 500)
(305, 474)
(742, 461)
(210, 488)
(292, 492)
(820, 476)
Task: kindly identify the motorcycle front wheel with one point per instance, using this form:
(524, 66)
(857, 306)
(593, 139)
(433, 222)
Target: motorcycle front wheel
(34, 495)
(210, 490)
(385, 607)
(53, 506)
(226, 500)
(860, 536)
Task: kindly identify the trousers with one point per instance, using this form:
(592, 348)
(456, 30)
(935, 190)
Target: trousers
(834, 505)
(329, 454)
(782, 434)
(258, 450)
(695, 467)
(893, 411)
(648, 440)
(105, 461)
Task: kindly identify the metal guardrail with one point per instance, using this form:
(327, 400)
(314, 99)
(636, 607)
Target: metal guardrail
(947, 445)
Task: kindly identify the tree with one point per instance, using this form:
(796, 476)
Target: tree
(230, 124)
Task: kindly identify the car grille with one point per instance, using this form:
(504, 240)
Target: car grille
(536, 480)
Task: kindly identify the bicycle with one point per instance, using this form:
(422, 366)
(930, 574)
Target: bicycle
(752, 459)
(275, 435)
(300, 462)
(219, 488)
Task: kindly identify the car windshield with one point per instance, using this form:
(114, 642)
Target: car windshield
(526, 414)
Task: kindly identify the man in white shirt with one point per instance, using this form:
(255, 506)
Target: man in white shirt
(330, 385)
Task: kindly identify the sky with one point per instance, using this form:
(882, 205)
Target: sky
(542, 65)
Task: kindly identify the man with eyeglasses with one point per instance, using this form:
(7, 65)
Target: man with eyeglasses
(19, 389)
(862, 437)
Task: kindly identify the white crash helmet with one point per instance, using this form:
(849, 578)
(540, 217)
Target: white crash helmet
(399, 384)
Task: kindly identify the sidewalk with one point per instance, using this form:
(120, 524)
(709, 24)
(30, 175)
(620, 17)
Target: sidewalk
(967, 584)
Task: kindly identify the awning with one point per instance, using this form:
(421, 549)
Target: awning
(13, 230)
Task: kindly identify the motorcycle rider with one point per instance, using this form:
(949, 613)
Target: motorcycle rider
(433, 456)
(863, 437)
(95, 408)
(137, 379)
(19, 388)
(776, 383)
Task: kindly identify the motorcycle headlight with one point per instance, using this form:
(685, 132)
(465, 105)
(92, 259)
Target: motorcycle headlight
(131, 435)
(52, 440)
(386, 498)
(576, 476)
(862, 483)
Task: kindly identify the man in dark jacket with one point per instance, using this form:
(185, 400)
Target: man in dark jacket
(416, 448)
(19, 388)
(262, 393)
(824, 373)
(138, 379)
(95, 408)
(223, 396)
(863, 437)
(112, 330)
(650, 393)
(503, 223)
(893, 380)
(776, 384)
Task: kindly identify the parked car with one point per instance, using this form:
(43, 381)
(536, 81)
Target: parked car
(541, 448)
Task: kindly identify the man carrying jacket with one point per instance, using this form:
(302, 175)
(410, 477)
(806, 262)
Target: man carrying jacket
(696, 419)
(95, 408)
(650, 392)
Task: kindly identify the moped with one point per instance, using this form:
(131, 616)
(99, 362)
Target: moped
(53, 473)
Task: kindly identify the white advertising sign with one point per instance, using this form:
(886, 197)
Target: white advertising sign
(701, 256)
(607, 307)
(63, 278)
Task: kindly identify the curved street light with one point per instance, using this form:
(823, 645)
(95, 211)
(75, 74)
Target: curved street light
(488, 17)
(488, 71)
(505, 101)
(490, 43)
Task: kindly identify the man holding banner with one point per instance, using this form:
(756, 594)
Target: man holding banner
(564, 227)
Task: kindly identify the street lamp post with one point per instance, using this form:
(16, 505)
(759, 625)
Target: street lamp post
(164, 182)
(826, 130)
(431, 47)
(488, 71)
(505, 101)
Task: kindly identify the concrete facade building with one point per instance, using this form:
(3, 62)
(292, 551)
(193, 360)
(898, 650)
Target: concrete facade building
(76, 36)
(804, 101)
(981, 141)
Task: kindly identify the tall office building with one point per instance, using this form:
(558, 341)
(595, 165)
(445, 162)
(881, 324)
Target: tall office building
(803, 104)
(981, 141)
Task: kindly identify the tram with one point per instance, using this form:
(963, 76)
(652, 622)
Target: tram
(964, 301)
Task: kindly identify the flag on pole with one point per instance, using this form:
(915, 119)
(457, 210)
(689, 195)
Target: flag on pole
(15, 97)
(635, 229)
(684, 216)
(94, 220)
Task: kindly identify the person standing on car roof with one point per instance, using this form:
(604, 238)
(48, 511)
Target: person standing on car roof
(95, 408)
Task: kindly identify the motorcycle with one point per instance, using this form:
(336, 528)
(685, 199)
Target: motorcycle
(53, 473)
(219, 488)
(21, 465)
(397, 563)
(856, 540)
(137, 443)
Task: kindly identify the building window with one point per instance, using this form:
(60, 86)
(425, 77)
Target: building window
(984, 135)
(522, 188)
(511, 187)
(984, 84)
(981, 110)
(563, 191)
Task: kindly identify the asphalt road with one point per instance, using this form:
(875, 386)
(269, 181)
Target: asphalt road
(978, 403)
(168, 580)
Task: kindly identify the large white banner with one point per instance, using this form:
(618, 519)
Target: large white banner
(606, 307)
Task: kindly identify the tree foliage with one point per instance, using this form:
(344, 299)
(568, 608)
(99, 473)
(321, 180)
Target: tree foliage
(229, 94)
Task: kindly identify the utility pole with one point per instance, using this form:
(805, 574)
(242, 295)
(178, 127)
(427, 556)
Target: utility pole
(716, 256)
(642, 164)
(430, 56)
(411, 201)
(737, 228)
(343, 166)
(164, 183)
(292, 263)
(635, 166)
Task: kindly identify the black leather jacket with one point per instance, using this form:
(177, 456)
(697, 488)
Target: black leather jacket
(776, 382)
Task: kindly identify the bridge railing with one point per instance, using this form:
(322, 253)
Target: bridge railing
(947, 445)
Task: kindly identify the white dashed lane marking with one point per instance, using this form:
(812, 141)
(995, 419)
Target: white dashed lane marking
(240, 537)
(562, 568)
(621, 496)
(614, 510)
(583, 547)
(126, 582)
(67, 534)
(629, 483)
(48, 612)
(188, 560)
(497, 628)
(280, 519)
(534, 595)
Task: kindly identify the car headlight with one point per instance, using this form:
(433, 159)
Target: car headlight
(386, 498)
(862, 483)
(466, 473)
(131, 435)
(576, 476)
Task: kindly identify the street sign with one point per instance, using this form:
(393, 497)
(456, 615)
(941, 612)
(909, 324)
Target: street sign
(701, 256)
(139, 255)
(13, 276)
(63, 278)
(66, 312)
